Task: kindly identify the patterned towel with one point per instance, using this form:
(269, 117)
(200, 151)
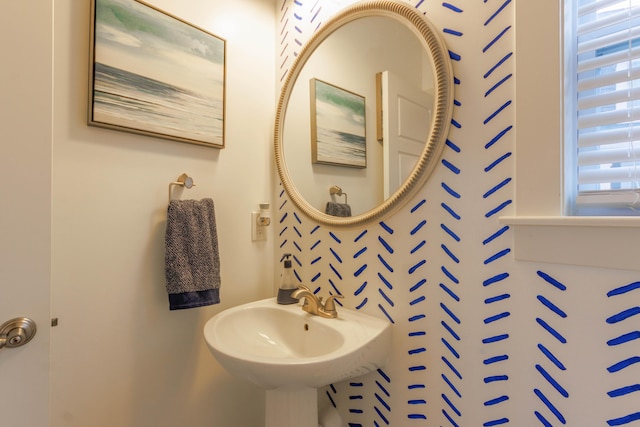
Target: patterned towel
(192, 260)
(338, 209)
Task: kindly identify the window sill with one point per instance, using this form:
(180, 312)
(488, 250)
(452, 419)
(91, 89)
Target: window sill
(606, 242)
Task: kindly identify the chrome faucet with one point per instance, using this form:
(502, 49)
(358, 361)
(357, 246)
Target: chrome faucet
(314, 305)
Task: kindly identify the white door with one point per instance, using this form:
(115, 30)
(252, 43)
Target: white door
(406, 121)
(25, 213)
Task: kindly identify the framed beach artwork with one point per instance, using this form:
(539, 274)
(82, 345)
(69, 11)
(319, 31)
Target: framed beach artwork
(338, 126)
(154, 74)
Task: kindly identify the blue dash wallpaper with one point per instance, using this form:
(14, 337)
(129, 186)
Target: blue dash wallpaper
(479, 338)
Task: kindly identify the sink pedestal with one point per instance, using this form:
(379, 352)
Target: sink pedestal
(292, 408)
(292, 354)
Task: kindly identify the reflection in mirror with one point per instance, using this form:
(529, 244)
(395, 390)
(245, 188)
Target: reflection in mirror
(350, 58)
(389, 77)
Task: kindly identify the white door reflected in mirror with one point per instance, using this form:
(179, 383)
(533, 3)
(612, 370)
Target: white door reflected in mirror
(406, 112)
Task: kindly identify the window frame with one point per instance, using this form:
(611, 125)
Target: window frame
(541, 229)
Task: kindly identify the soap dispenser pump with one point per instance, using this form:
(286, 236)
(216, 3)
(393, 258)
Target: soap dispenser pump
(287, 283)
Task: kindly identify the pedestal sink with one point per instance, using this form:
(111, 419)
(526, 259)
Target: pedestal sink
(291, 353)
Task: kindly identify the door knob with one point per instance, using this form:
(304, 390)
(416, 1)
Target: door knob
(17, 332)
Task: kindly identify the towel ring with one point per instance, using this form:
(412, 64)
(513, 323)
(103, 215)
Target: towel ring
(337, 190)
(183, 180)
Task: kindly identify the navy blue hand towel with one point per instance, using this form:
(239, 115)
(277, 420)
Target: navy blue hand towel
(192, 259)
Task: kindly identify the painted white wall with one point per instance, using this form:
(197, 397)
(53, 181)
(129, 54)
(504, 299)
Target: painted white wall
(25, 217)
(119, 356)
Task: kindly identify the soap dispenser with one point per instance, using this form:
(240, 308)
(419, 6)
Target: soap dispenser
(287, 283)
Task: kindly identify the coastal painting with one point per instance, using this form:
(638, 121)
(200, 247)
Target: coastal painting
(338, 126)
(154, 74)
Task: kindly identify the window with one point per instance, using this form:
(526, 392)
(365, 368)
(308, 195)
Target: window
(542, 232)
(602, 89)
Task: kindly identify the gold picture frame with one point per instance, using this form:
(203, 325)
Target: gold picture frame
(338, 126)
(154, 74)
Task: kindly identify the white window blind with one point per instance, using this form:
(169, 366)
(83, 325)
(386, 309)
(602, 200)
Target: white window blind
(605, 39)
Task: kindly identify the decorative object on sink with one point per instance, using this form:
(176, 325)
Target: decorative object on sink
(350, 50)
(154, 74)
(291, 353)
(287, 283)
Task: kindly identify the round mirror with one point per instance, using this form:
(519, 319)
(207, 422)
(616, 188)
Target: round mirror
(363, 114)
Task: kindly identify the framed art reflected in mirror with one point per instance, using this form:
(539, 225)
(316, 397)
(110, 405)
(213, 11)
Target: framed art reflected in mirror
(154, 74)
(338, 126)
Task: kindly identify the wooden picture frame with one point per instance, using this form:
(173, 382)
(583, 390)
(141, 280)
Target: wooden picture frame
(154, 74)
(338, 126)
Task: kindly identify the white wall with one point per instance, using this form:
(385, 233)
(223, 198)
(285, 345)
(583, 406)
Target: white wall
(119, 356)
(25, 217)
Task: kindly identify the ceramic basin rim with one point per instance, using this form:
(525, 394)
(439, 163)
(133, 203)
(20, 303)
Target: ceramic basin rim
(351, 340)
(269, 332)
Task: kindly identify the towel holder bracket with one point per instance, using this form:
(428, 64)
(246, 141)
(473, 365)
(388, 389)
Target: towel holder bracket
(183, 180)
(337, 190)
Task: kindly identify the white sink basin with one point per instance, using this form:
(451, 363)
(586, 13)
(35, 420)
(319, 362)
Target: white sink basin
(282, 346)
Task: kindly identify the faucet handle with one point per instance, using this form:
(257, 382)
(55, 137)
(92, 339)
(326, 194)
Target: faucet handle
(305, 303)
(330, 305)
